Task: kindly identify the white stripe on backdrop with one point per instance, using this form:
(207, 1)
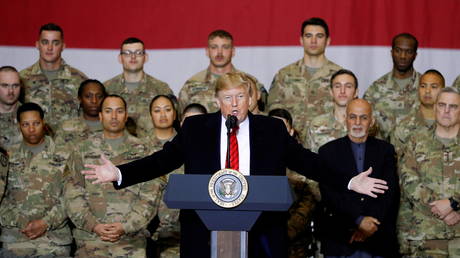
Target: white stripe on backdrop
(174, 66)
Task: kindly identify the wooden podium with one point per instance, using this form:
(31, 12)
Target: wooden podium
(229, 226)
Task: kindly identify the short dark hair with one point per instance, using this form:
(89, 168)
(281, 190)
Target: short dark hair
(317, 22)
(29, 106)
(51, 27)
(344, 71)
(88, 81)
(406, 36)
(131, 40)
(283, 113)
(114, 96)
(221, 34)
(438, 73)
(196, 107)
(8, 68)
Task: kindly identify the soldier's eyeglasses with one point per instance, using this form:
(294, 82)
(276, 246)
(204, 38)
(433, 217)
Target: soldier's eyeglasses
(133, 53)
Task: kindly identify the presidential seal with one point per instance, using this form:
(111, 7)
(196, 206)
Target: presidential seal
(228, 188)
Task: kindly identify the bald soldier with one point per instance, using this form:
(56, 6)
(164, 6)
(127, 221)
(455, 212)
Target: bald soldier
(51, 82)
(10, 90)
(423, 116)
(429, 217)
(110, 223)
(354, 225)
(394, 94)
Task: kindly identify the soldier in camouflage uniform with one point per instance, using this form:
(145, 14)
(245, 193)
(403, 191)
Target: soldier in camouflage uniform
(136, 86)
(91, 93)
(50, 82)
(428, 217)
(394, 95)
(32, 214)
(431, 82)
(201, 87)
(3, 170)
(109, 222)
(303, 87)
(10, 90)
(164, 117)
(299, 226)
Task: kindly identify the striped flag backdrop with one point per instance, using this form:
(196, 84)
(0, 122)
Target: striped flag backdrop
(266, 34)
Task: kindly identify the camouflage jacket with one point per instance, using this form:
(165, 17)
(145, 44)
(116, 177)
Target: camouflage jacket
(456, 83)
(89, 204)
(429, 171)
(201, 89)
(323, 129)
(9, 129)
(3, 171)
(169, 218)
(74, 130)
(305, 96)
(413, 123)
(391, 102)
(35, 191)
(139, 99)
(58, 98)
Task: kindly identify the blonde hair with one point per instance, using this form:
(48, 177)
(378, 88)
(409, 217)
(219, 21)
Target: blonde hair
(234, 80)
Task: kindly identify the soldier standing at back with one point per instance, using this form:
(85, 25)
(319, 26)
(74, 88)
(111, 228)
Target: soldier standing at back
(422, 117)
(50, 82)
(32, 215)
(136, 86)
(109, 222)
(428, 216)
(10, 90)
(303, 87)
(394, 95)
(201, 87)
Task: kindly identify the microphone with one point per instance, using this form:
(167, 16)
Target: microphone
(231, 122)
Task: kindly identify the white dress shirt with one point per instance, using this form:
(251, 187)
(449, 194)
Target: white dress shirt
(244, 150)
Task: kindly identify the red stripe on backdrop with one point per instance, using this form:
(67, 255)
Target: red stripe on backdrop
(185, 24)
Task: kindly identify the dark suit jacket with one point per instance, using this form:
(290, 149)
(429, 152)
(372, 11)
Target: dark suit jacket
(343, 207)
(197, 146)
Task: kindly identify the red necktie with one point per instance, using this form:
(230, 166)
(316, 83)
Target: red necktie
(234, 157)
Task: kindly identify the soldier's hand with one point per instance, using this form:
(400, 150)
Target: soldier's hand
(364, 184)
(452, 218)
(441, 208)
(107, 172)
(35, 229)
(368, 226)
(116, 229)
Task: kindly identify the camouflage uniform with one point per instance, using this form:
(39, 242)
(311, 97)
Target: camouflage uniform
(88, 204)
(3, 171)
(300, 233)
(413, 123)
(392, 103)
(58, 98)
(9, 129)
(201, 89)
(456, 83)
(323, 129)
(74, 131)
(167, 234)
(429, 171)
(139, 99)
(35, 191)
(305, 96)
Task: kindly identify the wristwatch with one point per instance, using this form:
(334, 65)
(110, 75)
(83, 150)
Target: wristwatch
(454, 204)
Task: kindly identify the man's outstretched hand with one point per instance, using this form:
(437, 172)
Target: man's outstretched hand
(364, 184)
(107, 172)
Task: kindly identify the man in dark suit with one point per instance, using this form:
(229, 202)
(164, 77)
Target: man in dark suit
(265, 148)
(354, 225)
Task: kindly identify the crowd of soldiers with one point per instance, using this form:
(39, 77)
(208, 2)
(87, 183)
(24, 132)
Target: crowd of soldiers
(53, 120)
